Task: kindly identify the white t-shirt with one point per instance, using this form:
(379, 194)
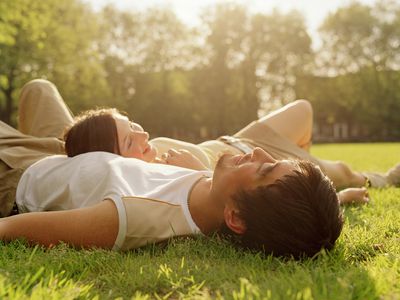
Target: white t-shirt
(60, 183)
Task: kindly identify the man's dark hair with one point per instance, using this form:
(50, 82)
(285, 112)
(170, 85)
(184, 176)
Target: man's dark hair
(296, 216)
(92, 130)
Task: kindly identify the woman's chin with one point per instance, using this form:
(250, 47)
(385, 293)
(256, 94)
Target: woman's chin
(150, 155)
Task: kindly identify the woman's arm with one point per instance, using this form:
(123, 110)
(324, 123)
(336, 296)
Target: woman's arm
(95, 226)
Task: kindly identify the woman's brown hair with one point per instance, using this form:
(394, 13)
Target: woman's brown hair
(92, 130)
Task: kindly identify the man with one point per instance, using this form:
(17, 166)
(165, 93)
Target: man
(283, 207)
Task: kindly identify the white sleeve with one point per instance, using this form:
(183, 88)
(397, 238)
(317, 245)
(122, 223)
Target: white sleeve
(122, 222)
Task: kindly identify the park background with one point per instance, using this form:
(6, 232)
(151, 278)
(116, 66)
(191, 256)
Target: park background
(200, 81)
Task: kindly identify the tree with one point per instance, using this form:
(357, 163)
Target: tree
(361, 43)
(226, 25)
(148, 66)
(22, 38)
(278, 50)
(253, 59)
(41, 41)
(359, 36)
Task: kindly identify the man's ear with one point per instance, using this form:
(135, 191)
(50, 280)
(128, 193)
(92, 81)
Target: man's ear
(233, 221)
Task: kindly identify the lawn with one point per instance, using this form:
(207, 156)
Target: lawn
(365, 264)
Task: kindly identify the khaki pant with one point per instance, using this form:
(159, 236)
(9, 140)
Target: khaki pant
(43, 116)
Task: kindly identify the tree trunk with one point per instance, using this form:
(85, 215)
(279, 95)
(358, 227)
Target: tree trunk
(7, 110)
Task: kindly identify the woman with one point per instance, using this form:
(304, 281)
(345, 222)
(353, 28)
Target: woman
(108, 130)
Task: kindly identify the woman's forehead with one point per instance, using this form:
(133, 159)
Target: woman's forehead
(122, 124)
(121, 117)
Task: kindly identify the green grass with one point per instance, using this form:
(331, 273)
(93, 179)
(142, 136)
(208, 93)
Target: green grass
(365, 264)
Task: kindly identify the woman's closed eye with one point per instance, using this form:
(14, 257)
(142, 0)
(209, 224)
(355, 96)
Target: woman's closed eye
(133, 128)
(130, 142)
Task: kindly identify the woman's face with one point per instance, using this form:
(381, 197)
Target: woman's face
(133, 141)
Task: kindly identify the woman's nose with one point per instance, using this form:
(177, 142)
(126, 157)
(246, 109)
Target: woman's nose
(136, 126)
(143, 134)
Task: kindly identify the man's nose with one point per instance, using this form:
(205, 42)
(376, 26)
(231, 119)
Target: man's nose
(259, 154)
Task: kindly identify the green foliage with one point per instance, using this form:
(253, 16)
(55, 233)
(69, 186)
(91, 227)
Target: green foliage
(150, 64)
(366, 101)
(208, 80)
(361, 54)
(250, 56)
(43, 42)
(358, 36)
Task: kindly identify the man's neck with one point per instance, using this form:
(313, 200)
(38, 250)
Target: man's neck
(206, 212)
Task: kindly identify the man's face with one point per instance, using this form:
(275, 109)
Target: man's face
(248, 171)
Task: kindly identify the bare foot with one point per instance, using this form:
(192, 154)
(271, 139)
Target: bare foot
(354, 195)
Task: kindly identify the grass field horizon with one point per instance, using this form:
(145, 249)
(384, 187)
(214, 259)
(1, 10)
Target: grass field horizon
(365, 264)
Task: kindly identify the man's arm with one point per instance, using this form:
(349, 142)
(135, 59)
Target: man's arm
(95, 226)
(353, 196)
